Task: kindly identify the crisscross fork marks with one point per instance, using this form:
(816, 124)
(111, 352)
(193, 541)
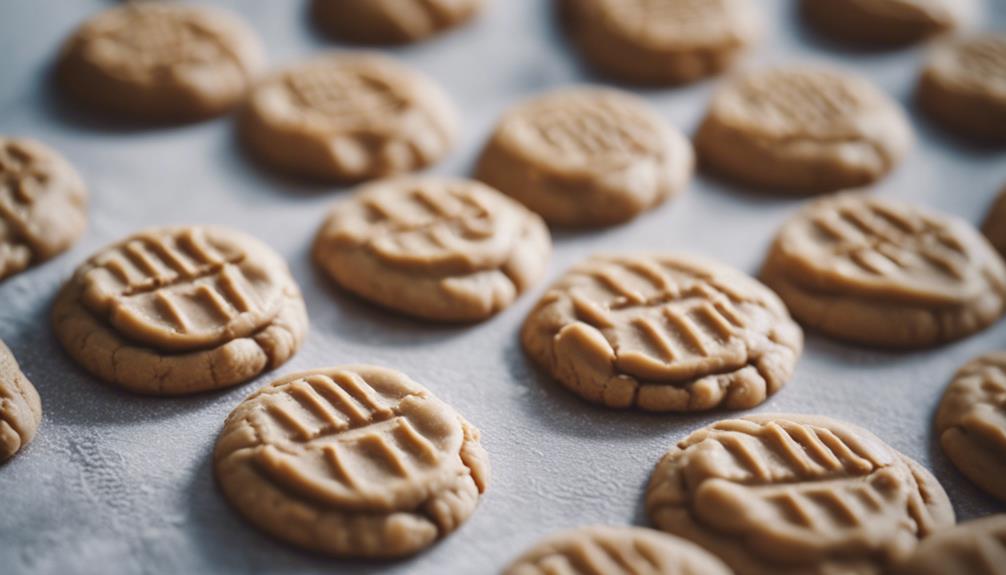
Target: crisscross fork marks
(344, 93)
(591, 130)
(598, 556)
(803, 99)
(20, 176)
(673, 14)
(456, 210)
(984, 58)
(154, 41)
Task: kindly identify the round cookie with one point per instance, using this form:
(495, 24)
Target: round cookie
(994, 227)
(970, 423)
(973, 548)
(887, 22)
(663, 333)
(885, 273)
(662, 41)
(354, 461)
(348, 118)
(586, 157)
(615, 551)
(43, 204)
(170, 311)
(391, 21)
(795, 494)
(963, 87)
(20, 407)
(161, 62)
(802, 130)
(435, 248)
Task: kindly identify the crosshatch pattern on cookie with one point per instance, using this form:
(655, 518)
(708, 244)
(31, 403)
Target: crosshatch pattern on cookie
(345, 95)
(803, 102)
(21, 174)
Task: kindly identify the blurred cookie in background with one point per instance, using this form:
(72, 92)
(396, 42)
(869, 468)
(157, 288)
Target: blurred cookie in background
(994, 227)
(975, 547)
(20, 407)
(888, 22)
(391, 21)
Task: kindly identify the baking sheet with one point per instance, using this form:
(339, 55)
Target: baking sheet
(116, 483)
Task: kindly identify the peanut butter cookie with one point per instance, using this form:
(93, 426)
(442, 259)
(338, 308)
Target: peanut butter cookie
(20, 408)
(973, 548)
(887, 22)
(994, 227)
(355, 461)
(171, 311)
(392, 21)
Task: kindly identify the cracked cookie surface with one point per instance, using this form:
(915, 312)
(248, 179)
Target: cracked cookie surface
(348, 118)
(43, 204)
(353, 461)
(586, 157)
(786, 494)
(615, 551)
(881, 272)
(802, 130)
(161, 62)
(392, 21)
(971, 422)
(180, 310)
(436, 248)
(887, 22)
(662, 41)
(663, 333)
(20, 407)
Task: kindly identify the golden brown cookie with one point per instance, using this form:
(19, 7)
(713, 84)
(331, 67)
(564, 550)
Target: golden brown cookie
(663, 333)
(391, 21)
(662, 41)
(973, 548)
(170, 311)
(347, 118)
(994, 227)
(795, 494)
(971, 425)
(161, 61)
(887, 22)
(963, 87)
(586, 157)
(615, 551)
(354, 461)
(435, 248)
(20, 407)
(802, 130)
(885, 273)
(43, 204)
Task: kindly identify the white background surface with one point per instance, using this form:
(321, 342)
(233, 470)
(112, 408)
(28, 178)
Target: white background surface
(116, 483)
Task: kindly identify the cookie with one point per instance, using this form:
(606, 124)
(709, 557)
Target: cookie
(885, 273)
(586, 157)
(973, 548)
(385, 22)
(20, 407)
(354, 461)
(994, 227)
(347, 118)
(802, 130)
(963, 87)
(787, 494)
(662, 41)
(435, 248)
(887, 22)
(615, 551)
(161, 62)
(43, 204)
(663, 333)
(171, 311)
(970, 423)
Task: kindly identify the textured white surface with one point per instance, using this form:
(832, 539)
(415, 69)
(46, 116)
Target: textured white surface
(116, 483)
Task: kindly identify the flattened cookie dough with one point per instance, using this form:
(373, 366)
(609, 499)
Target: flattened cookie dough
(615, 551)
(662, 41)
(963, 87)
(802, 130)
(971, 425)
(586, 157)
(161, 61)
(885, 273)
(663, 333)
(354, 461)
(973, 548)
(43, 204)
(170, 311)
(347, 118)
(20, 407)
(888, 22)
(391, 21)
(994, 227)
(796, 494)
(435, 248)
